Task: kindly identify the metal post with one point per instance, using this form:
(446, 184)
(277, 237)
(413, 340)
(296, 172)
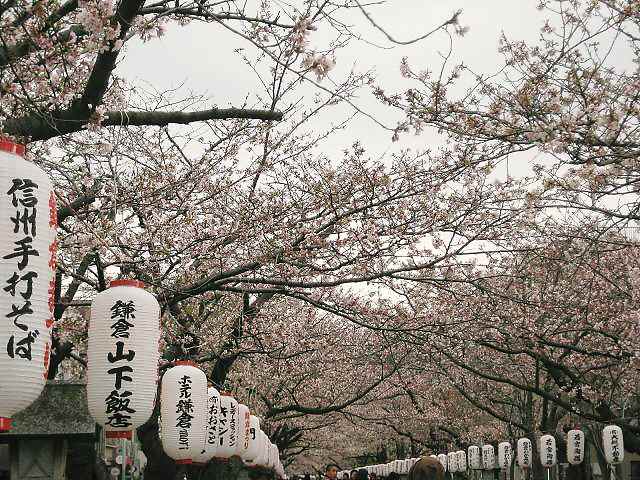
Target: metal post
(124, 458)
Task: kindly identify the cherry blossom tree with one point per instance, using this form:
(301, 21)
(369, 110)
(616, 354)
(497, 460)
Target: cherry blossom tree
(562, 110)
(231, 219)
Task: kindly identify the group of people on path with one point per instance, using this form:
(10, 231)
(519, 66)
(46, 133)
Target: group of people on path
(426, 468)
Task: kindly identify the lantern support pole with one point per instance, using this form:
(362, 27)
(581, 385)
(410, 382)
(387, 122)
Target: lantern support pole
(123, 450)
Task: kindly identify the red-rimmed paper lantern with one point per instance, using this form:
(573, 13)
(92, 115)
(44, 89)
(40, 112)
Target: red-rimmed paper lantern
(183, 411)
(548, 451)
(525, 453)
(122, 357)
(210, 448)
(575, 447)
(28, 223)
(613, 444)
(227, 427)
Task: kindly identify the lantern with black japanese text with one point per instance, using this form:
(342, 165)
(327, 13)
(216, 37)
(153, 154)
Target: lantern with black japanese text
(27, 265)
(211, 428)
(613, 444)
(452, 462)
(504, 455)
(548, 452)
(122, 357)
(183, 412)
(474, 458)
(575, 447)
(525, 453)
(227, 427)
(488, 457)
(462, 460)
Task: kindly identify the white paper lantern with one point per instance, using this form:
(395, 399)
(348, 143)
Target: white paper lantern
(525, 453)
(474, 457)
(262, 457)
(274, 455)
(462, 460)
(122, 357)
(244, 430)
(452, 462)
(183, 411)
(613, 444)
(28, 223)
(227, 427)
(211, 428)
(488, 457)
(504, 455)
(253, 439)
(442, 458)
(548, 452)
(575, 447)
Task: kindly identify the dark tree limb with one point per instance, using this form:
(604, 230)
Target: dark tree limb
(39, 127)
(105, 63)
(72, 208)
(224, 362)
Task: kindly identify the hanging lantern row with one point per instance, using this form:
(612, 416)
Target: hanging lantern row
(401, 467)
(28, 221)
(199, 424)
(485, 459)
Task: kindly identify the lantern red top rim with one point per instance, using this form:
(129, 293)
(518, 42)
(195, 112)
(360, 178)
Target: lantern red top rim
(185, 362)
(12, 147)
(126, 282)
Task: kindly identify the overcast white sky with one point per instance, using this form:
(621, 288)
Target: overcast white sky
(201, 57)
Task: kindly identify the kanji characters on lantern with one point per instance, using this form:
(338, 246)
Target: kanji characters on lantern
(122, 357)
(27, 267)
(183, 412)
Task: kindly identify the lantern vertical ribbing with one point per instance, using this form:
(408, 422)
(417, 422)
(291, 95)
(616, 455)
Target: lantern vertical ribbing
(122, 357)
(28, 222)
(183, 410)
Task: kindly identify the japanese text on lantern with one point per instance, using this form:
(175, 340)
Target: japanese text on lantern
(222, 420)
(184, 409)
(233, 423)
(548, 450)
(117, 403)
(526, 452)
(615, 446)
(247, 429)
(577, 443)
(213, 420)
(20, 284)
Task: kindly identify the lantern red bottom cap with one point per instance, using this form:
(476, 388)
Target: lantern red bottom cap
(222, 459)
(186, 461)
(5, 424)
(119, 434)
